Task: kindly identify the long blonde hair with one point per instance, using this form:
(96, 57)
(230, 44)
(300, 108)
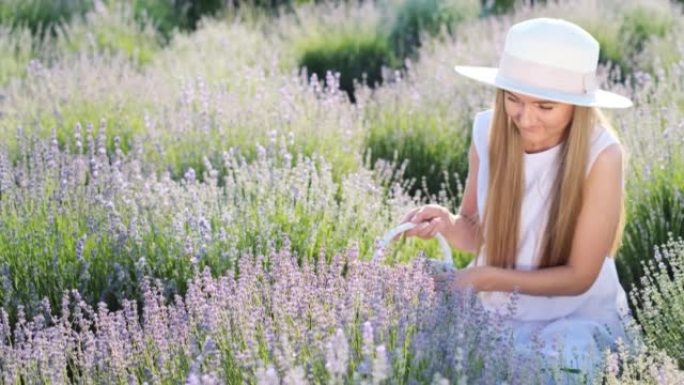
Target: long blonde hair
(501, 222)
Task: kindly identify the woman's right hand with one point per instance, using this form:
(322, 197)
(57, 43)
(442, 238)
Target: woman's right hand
(429, 220)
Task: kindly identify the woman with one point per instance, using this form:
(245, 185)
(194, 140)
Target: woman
(543, 205)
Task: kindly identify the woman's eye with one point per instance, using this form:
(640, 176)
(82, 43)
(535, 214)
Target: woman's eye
(546, 108)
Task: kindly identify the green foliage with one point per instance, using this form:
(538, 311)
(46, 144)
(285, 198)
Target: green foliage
(41, 16)
(499, 7)
(643, 23)
(196, 9)
(184, 15)
(274, 5)
(15, 53)
(653, 214)
(621, 44)
(125, 117)
(98, 221)
(436, 152)
(38, 245)
(44, 17)
(417, 17)
(660, 301)
(356, 56)
(111, 31)
(163, 13)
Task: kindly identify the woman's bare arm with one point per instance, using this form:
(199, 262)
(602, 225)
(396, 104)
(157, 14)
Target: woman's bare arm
(461, 229)
(465, 226)
(596, 227)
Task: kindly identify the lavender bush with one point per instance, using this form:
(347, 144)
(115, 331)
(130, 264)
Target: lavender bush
(656, 212)
(654, 179)
(661, 309)
(346, 321)
(80, 88)
(176, 106)
(103, 220)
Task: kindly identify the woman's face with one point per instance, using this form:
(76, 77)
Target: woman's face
(541, 123)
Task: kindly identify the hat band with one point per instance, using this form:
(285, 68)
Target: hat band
(543, 76)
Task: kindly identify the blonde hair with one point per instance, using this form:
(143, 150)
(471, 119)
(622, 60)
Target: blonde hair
(501, 222)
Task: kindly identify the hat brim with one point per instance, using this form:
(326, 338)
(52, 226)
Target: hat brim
(598, 98)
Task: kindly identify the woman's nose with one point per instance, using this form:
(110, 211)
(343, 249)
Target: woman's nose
(526, 115)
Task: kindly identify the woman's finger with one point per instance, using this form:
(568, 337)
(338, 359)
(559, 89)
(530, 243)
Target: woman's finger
(409, 215)
(413, 232)
(406, 218)
(423, 214)
(423, 230)
(436, 227)
(416, 230)
(424, 217)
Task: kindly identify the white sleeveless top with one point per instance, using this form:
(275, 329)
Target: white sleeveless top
(605, 301)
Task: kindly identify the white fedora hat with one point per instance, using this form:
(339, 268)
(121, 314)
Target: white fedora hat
(551, 59)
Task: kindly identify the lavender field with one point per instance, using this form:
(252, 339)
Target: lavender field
(201, 209)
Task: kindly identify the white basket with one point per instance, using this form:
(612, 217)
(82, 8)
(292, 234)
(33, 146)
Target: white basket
(436, 266)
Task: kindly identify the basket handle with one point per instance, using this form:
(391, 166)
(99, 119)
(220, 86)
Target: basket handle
(387, 238)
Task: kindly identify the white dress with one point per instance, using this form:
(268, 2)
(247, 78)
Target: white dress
(584, 324)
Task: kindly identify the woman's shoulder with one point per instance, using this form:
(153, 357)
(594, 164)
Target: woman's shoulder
(480, 134)
(482, 119)
(603, 138)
